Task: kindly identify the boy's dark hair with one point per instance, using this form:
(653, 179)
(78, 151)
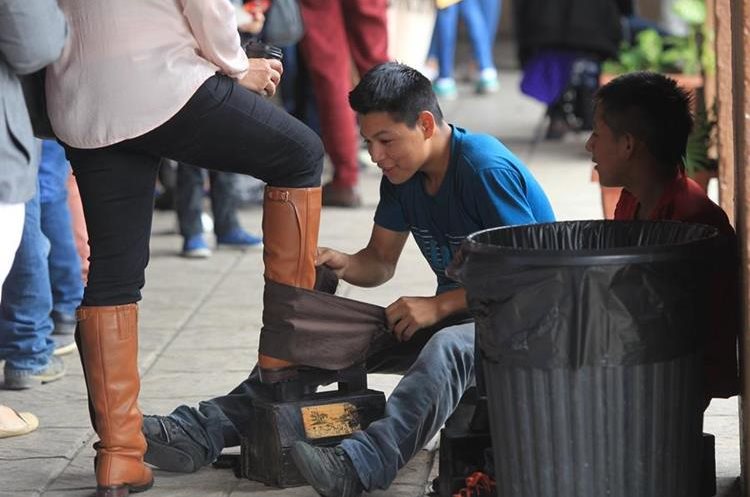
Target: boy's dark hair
(654, 109)
(399, 90)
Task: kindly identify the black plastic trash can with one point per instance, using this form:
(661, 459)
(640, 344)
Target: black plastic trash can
(590, 335)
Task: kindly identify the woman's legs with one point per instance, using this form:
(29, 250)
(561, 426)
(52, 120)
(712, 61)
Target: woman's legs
(230, 128)
(223, 125)
(117, 190)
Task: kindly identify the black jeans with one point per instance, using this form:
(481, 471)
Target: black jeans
(223, 126)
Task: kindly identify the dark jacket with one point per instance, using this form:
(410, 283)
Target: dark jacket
(591, 26)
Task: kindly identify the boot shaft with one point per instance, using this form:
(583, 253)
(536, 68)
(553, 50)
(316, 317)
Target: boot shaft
(108, 338)
(291, 221)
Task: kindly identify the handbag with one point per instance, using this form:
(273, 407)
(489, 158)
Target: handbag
(36, 103)
(284, 25)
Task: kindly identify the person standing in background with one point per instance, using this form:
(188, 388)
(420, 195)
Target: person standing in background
(446, 31)
(223, 185)
(561, 45)
(34, 33)
(337, 32)
(63, 262)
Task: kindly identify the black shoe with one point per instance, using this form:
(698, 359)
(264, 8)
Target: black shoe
(170, 447)
(327, 469)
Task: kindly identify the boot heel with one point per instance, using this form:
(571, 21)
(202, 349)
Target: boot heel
(112, 491)
(123, 490)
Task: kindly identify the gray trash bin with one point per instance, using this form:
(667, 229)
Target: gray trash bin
(590, 335)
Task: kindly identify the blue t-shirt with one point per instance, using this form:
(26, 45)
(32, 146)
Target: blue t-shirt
(486, 186)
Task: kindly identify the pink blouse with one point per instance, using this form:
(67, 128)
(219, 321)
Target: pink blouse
(129, 66)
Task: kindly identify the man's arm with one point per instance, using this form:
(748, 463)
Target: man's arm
(32, 34)
(371, 266)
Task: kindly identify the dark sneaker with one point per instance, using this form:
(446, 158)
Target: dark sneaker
(170, 447)
(327, 469)
(21, 379)
(64, 332)
(340, 196)
(238, 239)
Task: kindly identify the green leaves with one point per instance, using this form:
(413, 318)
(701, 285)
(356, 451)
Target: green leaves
(693, 12)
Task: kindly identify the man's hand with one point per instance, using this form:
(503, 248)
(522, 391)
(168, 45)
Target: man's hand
(407, 315)
(263, 76)
(338, 261)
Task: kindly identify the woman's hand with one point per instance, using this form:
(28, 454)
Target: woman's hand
(263, 76)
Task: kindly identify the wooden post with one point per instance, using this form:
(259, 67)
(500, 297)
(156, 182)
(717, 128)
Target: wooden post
(740, 70)
(724, 106)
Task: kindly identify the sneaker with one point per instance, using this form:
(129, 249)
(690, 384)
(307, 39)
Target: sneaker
(194, 247)
(445, 88)
(238, 239)
(488, 82)
(340, 196)
(327, 469)
(170, 447)
(21, 379)
(63, 333)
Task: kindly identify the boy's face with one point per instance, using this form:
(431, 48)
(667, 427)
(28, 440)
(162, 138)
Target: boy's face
(399, 151)
(608, 152)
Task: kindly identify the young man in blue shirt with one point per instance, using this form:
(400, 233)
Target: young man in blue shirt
(440, 183)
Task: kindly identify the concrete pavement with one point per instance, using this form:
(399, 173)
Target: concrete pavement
(200, 322)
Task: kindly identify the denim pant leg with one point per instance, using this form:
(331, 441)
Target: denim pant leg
(25, 322)
(476, 24)
(224, 202)
(220, 421)
(446, 27)
(418, 407)
(189, 205)
(492, 10)
(63, 260)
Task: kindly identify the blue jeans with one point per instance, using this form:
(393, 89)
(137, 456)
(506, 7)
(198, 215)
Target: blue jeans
(25, 322)
(446, 28)
(418, 407)
(64, 263)
(190, 200)
(491, 10)
(420, 404)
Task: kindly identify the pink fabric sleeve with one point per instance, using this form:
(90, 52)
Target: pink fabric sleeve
(214, 26)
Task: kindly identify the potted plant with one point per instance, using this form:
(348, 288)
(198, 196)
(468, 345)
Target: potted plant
(686, 59)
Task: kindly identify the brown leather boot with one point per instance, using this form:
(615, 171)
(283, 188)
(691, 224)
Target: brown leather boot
(291, 220)
(108, 338)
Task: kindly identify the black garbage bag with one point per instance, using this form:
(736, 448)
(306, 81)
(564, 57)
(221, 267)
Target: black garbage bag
(590, 334)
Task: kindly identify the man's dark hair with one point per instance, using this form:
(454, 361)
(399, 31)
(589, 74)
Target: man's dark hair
(399, 90)
(651, 107)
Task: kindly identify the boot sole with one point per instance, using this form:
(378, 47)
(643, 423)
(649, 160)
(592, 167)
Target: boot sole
(123, 491)
(168, 458)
